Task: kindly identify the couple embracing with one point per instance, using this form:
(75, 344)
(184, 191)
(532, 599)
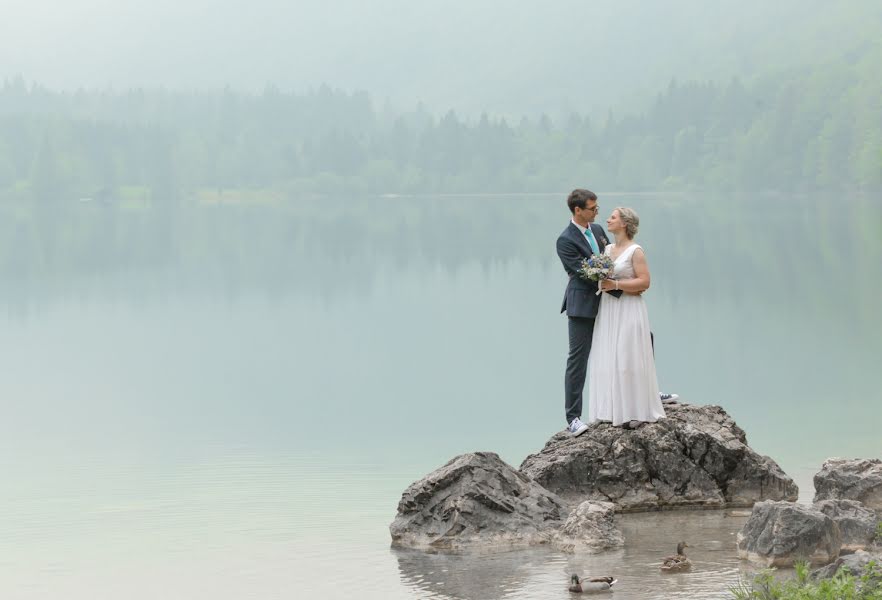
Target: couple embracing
(612, 327)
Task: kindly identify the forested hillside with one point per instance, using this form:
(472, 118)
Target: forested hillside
(790, 130)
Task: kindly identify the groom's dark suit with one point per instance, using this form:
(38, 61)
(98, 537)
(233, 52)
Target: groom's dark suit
(580, 303)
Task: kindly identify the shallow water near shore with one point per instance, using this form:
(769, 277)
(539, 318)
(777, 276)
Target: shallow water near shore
(538, 573)
(237, 416)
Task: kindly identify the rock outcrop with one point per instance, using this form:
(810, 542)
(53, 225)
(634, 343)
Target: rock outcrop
(856, 522)
(851, 479)
(697, 457)
(476, 499)
(590, 527)
(778, 534)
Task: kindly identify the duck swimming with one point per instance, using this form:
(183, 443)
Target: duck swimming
(678, 561)
(590, 585)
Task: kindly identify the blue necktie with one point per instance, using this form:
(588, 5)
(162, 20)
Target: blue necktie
(591, 241)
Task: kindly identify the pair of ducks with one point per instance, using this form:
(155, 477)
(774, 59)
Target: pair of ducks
(670, 564)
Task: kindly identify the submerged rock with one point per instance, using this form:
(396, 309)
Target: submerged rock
(856, 522)
(590, 527)
(852, 479)
(697, 457)
(476, 498)
(778, 534)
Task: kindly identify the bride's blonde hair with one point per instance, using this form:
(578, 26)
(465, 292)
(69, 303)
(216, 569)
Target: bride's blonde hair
(630, 219)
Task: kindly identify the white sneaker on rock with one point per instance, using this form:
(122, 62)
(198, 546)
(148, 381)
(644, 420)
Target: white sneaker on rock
(668, 398)
(577, 427)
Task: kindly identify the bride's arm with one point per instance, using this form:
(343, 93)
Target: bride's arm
(636, 285)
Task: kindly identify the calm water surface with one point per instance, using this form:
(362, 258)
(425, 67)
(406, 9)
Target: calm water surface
(228, 403)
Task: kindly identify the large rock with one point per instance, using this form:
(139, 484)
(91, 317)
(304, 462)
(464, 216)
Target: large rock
(474, 499)
(856, 522)
(853, 479)
(696, 457)
(778, 534)
(590, 527)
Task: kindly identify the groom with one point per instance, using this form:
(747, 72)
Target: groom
(579, 240)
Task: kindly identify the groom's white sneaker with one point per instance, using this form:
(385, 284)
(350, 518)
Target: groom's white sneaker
(577, 427)
(668, 398)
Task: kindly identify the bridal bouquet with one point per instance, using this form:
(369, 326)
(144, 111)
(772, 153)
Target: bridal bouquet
(596, 268)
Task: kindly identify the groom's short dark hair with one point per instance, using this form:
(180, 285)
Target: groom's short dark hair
(580, 198)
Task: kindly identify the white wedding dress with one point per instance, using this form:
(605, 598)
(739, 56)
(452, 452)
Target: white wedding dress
(622, 384)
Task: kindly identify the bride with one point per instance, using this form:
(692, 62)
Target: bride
(623, 388)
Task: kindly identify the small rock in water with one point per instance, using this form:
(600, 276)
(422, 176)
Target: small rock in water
(853, 563)
(778, 534)
(590, 527)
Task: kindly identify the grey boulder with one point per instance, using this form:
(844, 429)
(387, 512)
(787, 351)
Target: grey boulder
(475, 499)
(697, 457)
(590, 527)
(855, 564)
(856, 522)
(852, 479)
(778, 534)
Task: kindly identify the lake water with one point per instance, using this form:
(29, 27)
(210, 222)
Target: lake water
(227, 402)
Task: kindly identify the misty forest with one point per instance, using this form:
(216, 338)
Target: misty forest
(796, 127)
(784, 131)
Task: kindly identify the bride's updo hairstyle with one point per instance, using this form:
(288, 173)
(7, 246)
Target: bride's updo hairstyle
(630, 219)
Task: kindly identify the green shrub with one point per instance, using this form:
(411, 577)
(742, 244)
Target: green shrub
(842, 586)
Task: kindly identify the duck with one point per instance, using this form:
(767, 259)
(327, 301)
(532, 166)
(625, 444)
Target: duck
(677, 562)
(590, 585)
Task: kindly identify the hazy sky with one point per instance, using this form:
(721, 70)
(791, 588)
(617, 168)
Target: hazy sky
(493, 54)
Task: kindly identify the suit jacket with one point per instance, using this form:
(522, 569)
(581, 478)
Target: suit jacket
(580, 298)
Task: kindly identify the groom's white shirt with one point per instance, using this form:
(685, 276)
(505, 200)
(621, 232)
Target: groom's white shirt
(584, 229)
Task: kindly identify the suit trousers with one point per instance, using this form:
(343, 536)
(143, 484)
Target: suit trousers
(581, 330)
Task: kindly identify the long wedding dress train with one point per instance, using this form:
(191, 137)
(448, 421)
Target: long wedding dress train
(622, 380)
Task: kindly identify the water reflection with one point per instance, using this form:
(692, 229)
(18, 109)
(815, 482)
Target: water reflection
(543, 573)
(706, 248)
(467, 576)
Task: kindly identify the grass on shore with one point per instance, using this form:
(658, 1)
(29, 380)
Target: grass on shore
(842, 586)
